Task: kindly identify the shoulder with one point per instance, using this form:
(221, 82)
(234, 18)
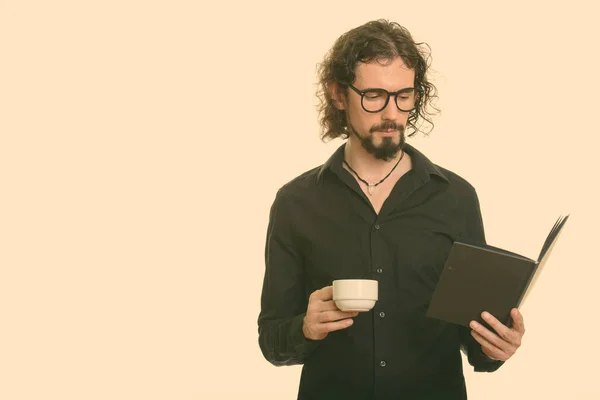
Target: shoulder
(296, 194)
(455, 184)
(467, 201)
(302, 185)
(458, 184)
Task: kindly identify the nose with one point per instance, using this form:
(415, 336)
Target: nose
(391, 111)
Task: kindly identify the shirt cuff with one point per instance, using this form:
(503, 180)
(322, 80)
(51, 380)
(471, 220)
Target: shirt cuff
(303, 346)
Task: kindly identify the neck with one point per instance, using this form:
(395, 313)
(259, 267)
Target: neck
(365, 164)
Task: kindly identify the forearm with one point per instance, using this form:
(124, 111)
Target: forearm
(282, 341)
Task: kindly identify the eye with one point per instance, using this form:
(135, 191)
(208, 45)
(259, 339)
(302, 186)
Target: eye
(375, 94)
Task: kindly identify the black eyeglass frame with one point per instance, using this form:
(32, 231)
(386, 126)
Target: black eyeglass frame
(395, 94)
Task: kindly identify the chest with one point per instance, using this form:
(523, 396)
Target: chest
(377, 195)
(377, 198)
(405, 250)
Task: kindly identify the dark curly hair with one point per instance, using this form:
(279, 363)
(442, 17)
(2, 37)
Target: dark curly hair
(374, 41)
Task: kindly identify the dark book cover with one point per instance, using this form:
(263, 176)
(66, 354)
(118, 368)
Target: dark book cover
(480, 277)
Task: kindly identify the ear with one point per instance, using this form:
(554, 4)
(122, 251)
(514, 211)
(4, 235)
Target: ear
(337, 96)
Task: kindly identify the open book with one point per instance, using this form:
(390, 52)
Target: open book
(479, 278)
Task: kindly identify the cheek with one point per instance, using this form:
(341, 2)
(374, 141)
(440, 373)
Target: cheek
(363, 121)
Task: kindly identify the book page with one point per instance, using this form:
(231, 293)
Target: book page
(552, 236)
(545, 254)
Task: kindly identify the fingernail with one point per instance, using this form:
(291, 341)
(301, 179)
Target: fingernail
(486, 315)
(474, 324)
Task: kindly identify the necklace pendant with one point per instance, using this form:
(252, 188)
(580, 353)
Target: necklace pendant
(370, 189)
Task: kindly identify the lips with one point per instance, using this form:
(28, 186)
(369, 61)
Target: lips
(387, 129)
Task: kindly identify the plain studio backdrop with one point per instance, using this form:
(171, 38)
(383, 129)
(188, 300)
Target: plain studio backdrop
(142, 144)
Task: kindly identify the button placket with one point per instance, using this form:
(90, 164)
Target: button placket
(374, 239)
(378, 263)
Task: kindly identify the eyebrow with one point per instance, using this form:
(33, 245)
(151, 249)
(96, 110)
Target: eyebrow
(403, 90)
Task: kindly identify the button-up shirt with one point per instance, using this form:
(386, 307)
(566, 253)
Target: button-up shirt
(322, 227)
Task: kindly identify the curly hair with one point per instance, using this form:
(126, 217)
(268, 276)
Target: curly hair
(373, 41)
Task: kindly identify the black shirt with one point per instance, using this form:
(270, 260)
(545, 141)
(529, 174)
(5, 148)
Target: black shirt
(322, 227)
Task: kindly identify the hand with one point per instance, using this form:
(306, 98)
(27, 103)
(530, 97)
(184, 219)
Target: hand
(503, 344)
(323, 316)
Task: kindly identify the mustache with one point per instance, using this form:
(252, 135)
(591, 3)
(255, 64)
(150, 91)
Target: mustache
(386, 126)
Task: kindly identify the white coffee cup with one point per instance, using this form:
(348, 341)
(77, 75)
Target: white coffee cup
(355, 294)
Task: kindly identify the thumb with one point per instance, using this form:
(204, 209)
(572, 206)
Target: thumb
(517, 317)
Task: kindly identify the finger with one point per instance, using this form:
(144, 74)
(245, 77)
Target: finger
(323, 294)
(518, 323)
(331, 306)
(318, 296)
(502, 330)
(489, 336)
(335, 326)
(328, 316)
(488, 348)
(328, 306)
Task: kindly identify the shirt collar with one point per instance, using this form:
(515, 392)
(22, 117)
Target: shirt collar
(421, 165)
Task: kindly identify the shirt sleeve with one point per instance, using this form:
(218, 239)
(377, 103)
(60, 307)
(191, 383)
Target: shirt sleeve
(474, 231)
(284, 299)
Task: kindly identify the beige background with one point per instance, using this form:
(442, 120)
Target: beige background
(142, 144)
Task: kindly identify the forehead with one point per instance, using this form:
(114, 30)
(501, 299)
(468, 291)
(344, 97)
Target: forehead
(387, 74)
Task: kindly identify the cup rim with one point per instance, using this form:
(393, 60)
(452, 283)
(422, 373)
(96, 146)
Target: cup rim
(355, 280)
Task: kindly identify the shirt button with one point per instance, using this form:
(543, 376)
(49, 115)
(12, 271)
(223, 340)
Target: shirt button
(376, 226)
(382, 363)
(379, 270)
(382, 314)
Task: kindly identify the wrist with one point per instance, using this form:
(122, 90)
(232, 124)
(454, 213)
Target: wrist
(305, 332)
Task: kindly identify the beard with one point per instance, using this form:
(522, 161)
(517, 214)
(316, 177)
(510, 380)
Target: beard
(388, 148)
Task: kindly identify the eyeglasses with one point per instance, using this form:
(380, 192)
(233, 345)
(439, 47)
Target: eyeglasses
(374, 99)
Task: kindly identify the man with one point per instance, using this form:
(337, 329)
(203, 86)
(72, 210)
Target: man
(377, 209)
